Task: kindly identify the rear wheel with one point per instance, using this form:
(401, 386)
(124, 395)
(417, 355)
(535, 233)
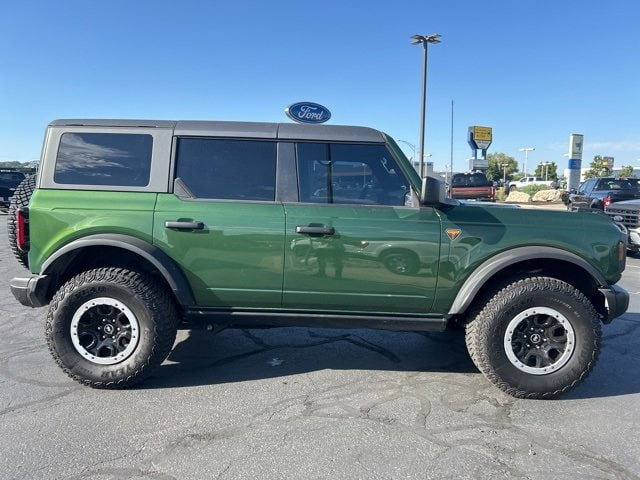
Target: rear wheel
(20, 199)
(536, 338)
(110, 327)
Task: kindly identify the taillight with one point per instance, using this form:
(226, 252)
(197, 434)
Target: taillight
(607, 201)
(22, 229)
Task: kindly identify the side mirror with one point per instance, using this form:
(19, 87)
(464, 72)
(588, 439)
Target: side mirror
(433, 191)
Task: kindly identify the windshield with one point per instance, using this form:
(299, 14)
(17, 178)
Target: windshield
(411, 174)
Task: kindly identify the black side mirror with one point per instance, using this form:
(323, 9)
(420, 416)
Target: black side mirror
(433, 191)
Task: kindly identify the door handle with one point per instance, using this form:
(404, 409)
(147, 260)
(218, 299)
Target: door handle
(315, 230)
(194, 225)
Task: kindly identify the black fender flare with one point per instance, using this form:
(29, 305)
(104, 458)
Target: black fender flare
(493, 265)
(151, 253)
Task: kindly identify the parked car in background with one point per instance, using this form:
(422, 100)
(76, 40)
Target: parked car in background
(627, 213)
(472, 186)
(527, 181)
(601, 192)
(9, 180)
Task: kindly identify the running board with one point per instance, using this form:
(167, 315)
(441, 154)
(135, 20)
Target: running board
(209, 319)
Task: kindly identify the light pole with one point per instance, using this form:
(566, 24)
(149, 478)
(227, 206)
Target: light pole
(526, 157)
(545, 166)
(504, 173)
(426, 155)
(425, 40)
(411, 146)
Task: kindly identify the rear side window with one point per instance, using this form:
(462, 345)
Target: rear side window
(113, 159)
(227, 169)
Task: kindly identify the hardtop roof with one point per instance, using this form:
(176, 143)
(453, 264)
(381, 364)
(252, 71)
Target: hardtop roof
(283, 131)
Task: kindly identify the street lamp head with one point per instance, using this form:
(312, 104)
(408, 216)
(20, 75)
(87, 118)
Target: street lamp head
(433, 38)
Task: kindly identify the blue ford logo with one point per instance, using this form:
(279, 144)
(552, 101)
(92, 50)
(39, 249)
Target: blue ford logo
(307, 112)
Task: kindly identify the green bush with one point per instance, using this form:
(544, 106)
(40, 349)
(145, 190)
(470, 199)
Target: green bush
(533, 189)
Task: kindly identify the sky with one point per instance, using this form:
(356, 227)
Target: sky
(533, 71)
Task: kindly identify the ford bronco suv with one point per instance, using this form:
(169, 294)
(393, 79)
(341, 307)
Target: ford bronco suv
(133, 229)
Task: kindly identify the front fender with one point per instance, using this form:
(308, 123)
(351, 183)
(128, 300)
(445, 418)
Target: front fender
(492, 266)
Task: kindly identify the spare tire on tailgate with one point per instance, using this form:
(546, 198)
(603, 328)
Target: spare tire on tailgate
(20, 199)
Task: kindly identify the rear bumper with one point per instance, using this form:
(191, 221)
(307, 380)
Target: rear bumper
(616, 301)
(31, 291)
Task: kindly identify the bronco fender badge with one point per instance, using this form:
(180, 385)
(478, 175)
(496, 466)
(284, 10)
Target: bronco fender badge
(453, 233)
(308, 112)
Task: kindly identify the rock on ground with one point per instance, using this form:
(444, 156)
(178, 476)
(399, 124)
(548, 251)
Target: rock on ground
(518, 197)
(547, 196)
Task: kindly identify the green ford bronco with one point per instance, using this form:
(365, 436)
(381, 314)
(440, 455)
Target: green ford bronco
(133, 229)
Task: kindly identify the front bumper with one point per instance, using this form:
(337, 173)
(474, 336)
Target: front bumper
(31, 291)
(616, 302)
(634, 239)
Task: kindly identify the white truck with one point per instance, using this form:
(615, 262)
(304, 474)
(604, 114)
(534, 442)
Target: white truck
(526, 181)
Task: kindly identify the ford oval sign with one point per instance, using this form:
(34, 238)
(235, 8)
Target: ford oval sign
(307, 112)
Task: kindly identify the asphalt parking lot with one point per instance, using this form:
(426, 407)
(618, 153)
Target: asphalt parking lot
(299, 403)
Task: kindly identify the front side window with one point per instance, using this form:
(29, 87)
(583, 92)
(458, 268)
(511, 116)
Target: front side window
(113, 159)
(349, 174)
(227, 169)
(585, 187)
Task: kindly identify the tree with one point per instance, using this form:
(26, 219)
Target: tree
(496, 170)
(627, 171)
(598, 168)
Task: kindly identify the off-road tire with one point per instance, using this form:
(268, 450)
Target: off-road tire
(21, 198)
(487, 337)
(139, 300)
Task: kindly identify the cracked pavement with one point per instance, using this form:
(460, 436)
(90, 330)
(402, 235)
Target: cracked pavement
(296, 403)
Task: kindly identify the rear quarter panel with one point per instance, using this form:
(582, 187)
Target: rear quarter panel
(78, 213)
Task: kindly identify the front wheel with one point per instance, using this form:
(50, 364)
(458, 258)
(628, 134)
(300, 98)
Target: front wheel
(401, 263)
(110, 327)
(537, 337)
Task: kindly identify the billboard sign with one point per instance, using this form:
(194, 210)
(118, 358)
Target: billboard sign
(576, 142)
(480, 137)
